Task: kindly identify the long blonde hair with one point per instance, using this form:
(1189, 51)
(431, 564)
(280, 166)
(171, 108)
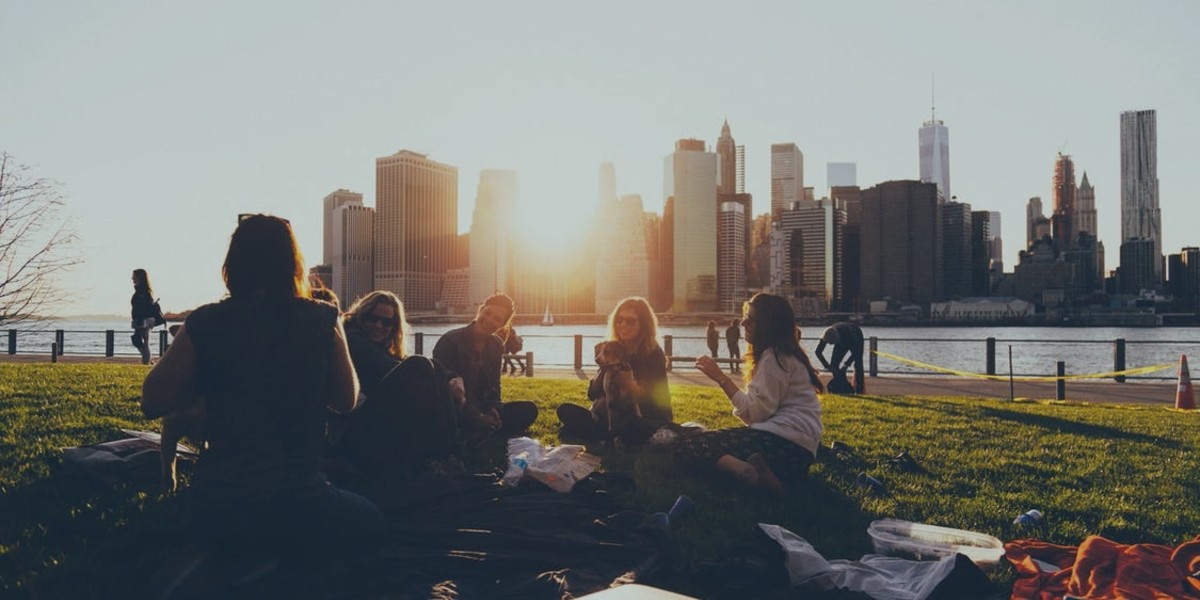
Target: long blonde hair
(366, 304)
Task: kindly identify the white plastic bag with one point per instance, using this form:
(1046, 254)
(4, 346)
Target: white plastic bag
(522, 452)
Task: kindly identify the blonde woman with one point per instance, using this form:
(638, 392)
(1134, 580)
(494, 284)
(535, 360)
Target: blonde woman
(633, 324)
(407, 423)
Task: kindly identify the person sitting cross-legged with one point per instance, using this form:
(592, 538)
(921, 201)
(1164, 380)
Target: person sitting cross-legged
(779, 406)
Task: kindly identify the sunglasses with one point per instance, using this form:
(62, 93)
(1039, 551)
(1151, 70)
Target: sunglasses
(625, 321)
(371, 319)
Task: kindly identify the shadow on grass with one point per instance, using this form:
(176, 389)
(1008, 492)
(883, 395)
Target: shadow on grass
(1047, 422)
(76, 532)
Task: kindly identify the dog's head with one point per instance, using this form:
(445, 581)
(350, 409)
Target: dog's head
(610, 353)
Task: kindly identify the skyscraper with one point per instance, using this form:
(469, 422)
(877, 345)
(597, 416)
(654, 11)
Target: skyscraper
(353, 230)
(1063, 222)
(902, 243)
(996, 243)
(335, 199)
(811, 251)
(622, 267)
(956, 250)
(787, 176)
(1085, 207)
(739, 152)
(840, 174)
(934, 140)
(731, 264)
(1140, 216)
(726, 162)
(416, 223)
(1033, 216)
(608, 185)
(491, 240)
(689, 177)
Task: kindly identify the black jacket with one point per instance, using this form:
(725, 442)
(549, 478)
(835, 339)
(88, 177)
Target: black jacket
(650, 372)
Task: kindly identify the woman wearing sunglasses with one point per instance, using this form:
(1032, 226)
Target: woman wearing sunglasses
(406, 423)
(633, 324)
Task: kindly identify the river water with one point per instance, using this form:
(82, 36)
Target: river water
(1035, 350)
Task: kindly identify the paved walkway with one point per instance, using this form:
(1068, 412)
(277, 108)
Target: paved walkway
(1110, 392)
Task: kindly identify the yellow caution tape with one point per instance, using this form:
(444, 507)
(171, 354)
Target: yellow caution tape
(1109, 375)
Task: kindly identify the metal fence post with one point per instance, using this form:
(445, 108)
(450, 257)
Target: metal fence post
(578, 352)
(12, 341)
(59, 337)
(529, 364)
(668, 348)
(991, 356)
(53, 352)
(1060, 387)
(109, 342)
(162, 342)
(873, 369)
(419, 343)
(1119, 359)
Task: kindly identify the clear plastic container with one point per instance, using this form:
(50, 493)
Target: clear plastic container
(894, 537)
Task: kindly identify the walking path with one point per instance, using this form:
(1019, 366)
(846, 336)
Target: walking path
(1108, 392)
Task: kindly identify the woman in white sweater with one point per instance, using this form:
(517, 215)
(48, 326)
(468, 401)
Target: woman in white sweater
(779, 405)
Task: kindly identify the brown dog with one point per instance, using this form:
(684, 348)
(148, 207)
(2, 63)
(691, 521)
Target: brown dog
(187, 421)
(619, 402)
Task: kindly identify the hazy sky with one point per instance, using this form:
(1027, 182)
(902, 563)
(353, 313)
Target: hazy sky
(164, 120)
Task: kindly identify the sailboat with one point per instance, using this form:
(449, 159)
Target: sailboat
(547, 319)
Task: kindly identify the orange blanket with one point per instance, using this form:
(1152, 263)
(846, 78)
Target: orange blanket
(1102, 569)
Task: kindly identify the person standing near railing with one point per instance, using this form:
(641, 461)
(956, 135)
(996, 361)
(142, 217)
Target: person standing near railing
(847, 340)
(713, 337)
(733, 335)
(142, 313)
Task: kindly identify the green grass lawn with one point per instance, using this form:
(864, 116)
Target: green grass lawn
(1129, 474)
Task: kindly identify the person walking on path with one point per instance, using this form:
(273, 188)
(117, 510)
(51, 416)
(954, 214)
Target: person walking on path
(779, 406)
(733, 335)
(847, 340)
(713, 338)
(142, 313)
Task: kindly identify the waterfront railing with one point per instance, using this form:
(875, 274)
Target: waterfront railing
(991, 356)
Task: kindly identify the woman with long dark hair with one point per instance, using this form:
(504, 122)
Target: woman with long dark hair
(270, 363)
(633, 324)
(779, 405)
(142, 313)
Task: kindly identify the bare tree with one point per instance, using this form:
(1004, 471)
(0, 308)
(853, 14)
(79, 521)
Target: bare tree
(35, 243)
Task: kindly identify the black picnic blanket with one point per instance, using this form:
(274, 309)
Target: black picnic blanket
(470, 537)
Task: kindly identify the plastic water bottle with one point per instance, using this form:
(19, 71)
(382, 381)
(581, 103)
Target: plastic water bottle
(521, 452)
(1030, 519)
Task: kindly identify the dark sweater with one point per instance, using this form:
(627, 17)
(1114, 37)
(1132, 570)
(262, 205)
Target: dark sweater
(650, 372)
(480, 371)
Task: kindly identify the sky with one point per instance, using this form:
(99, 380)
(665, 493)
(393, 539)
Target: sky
(162, 121)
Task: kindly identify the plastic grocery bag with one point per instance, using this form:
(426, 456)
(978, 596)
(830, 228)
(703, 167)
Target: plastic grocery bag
(522, 451)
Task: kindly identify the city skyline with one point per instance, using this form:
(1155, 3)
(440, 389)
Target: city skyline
(172, 120)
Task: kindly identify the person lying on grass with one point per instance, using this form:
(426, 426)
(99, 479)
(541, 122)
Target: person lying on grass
(779, 405)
